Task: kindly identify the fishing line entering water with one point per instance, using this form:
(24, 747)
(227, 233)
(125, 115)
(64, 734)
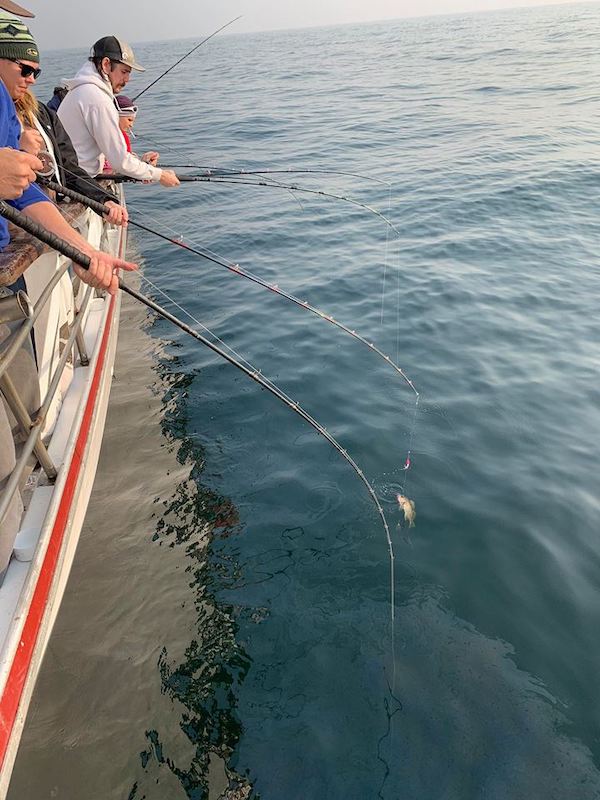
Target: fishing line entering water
(294, 188)
(385, 260)
(293, 404)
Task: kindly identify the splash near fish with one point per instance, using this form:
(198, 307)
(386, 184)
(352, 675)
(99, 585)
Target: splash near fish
(408, 507)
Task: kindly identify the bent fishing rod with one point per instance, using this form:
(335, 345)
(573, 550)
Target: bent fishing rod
(208, 172)
(241, 272)
(118, 178)
(290, 188)
(61, 246)
(193, 50)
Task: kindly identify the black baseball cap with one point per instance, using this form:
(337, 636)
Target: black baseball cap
(116, 50)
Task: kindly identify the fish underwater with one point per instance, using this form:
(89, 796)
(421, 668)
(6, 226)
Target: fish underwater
(408, 506)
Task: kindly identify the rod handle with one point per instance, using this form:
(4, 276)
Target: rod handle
(51, 239)
(99, 208)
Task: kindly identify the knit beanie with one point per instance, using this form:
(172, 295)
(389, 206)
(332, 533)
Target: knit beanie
(127, 108)
(15, 39)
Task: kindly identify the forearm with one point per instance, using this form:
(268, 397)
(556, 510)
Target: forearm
(136, 168)
(51, 218)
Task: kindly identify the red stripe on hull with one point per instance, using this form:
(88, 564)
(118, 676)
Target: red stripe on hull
(9, 703)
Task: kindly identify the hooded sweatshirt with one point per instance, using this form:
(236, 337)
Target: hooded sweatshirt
(89, 115)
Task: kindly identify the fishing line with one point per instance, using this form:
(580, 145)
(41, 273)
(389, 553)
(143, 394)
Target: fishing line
(267, 383)
(214, 171)
(291, 188)
(234, 181)
(204, 252)
(385, 261)
(55, 242)
(238, 270)
(398, 286)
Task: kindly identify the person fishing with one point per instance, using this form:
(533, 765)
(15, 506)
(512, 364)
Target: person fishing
(90, 116)
(127, 115)
(44, 134)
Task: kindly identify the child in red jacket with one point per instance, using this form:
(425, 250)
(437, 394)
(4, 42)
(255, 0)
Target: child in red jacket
(127, 114)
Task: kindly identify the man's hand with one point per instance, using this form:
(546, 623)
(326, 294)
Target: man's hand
(17, 171)
(101, 271)
(115, 214)
(151, 157)
(168, 178)
(31, 141)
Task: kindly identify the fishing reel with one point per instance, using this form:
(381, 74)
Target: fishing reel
(47, 170)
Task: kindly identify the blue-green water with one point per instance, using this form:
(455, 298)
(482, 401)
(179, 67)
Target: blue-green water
(485, 126)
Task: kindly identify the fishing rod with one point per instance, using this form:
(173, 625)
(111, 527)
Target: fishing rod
(118, 178)
(316, 170)
(240, 271)
(193, 50)
(228, 171)
(56, 243)
(183, 161)
(291, 188)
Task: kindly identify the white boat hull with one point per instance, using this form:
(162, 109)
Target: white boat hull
(33, 589)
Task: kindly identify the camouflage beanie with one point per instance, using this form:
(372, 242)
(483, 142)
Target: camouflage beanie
(15, 39)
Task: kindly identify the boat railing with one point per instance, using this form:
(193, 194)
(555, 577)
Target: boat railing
(18, 315)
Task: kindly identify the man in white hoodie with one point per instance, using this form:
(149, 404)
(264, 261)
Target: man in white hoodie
(90, 115)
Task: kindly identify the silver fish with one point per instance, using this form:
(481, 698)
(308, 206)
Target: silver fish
(408, 507)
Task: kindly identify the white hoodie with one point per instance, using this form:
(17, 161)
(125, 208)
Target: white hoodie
(90, 117)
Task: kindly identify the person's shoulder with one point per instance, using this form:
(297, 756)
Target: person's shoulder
(85, 93)
(5, 98)
(8, 115)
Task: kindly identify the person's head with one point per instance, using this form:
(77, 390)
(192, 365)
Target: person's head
(114, 60)
(127, 113)
(60, 92)
(19, 56)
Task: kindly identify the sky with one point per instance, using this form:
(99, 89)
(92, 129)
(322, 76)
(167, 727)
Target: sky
(78, 23)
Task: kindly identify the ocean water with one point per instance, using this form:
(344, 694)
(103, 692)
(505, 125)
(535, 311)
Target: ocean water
(229, 634)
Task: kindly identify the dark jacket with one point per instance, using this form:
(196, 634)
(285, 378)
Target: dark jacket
(71, 174)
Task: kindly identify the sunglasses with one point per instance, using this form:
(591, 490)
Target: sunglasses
(26, 69)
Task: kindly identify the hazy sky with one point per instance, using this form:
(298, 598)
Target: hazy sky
(73, 23)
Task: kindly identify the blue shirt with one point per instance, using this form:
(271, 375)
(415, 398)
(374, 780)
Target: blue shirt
(10, 132)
